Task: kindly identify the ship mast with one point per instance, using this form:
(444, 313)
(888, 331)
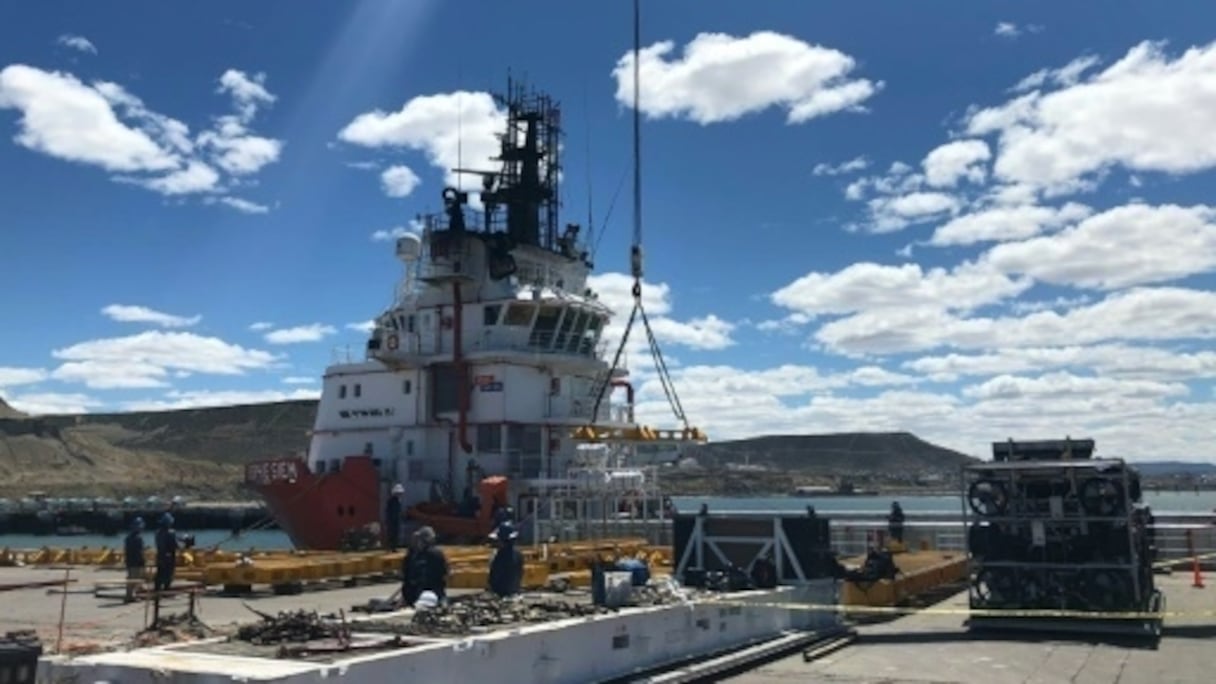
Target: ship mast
(636, 255)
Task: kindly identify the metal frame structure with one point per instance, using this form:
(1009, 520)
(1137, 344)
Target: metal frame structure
(776, 542)
(1066, 559)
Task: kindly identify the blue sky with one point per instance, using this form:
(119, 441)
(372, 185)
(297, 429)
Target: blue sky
(968, 221)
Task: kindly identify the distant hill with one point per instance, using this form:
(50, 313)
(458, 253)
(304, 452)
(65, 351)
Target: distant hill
(202, 452)
(1174, 468)
(859, 452)
(196, 451)
(7, 411)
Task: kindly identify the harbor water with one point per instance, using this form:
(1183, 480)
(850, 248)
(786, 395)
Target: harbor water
(839, 508)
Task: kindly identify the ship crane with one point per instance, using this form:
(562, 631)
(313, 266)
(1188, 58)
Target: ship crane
(686, 432)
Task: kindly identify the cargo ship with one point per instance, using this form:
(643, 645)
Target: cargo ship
(487, 385)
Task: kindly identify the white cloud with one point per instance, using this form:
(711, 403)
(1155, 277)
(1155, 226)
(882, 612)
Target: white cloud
(104, 125)
(237, 151)
(299, 380)
(391, 234)
(722, 78)
(1146, 112)
(1061, 384)
(79, 43)
(452, 129)
(868, 286)
(1143, 314)
(175, 400)
(144, 359)
(890, 214)
(1003, 223)
(248, 92)
(53, 403)
(614, 291)
(1010, 30)
(64, 118)
(398, 181)
(1107, 360)
(127, 313)
(851, 166)
(11, 376)
(1130, 245)
(195, 177)
(260, 326)
(947, 164)
(362, 326)
(243, 205)
(112, 374)
(313, 332)
(1064, 76)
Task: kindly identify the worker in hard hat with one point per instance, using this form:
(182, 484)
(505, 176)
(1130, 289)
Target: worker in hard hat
(507, 565)
(133, 556)
(392, 517)
(424, 568)
(166, 553)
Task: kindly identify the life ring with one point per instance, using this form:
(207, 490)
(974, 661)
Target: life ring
(393, 342)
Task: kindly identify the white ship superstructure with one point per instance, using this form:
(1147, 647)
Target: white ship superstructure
(491, 357)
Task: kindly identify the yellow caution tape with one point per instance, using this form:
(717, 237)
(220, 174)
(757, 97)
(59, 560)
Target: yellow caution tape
(1185, 560)
(972, 612)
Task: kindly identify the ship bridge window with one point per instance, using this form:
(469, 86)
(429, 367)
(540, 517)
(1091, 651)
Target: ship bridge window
(342, 391)
(358, 390)
(591, 335)
(568, 321)
(574, 321)
(406, 386)
(546, 323)
(492, 312)
(409, 323)
(519, 314)
(576, 335)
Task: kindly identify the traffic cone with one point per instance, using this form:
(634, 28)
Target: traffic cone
(1197, 581)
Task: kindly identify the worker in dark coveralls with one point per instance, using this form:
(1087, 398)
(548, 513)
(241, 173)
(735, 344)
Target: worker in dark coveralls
(166, 553)
(424, 568)
(133, 556)
(895, 522)
(392, 518)
(507, 565)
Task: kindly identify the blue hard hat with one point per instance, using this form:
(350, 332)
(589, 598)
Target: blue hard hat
(166, 520)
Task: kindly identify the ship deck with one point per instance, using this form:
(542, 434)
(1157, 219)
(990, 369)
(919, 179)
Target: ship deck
(939, 649)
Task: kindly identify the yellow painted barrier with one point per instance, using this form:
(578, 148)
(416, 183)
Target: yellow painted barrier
(921, 572)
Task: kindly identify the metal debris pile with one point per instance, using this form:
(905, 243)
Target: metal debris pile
(170, 629)
(480, 612)
(296, 626)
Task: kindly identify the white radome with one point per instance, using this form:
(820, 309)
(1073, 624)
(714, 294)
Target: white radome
(409, 247)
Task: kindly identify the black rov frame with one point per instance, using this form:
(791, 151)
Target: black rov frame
(1051, 528)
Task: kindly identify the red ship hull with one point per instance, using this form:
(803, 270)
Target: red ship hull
(317, 511)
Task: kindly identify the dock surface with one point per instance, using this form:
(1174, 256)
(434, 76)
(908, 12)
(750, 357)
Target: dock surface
(938, 649)
(915, 648)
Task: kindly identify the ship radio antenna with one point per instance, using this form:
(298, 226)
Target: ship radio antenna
(590, 196)
(459, 127)
(635, 253)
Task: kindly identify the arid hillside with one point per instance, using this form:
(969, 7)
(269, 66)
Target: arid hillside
(197, 451)
(201, 452)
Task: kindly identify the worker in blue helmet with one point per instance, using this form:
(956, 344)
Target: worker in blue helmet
(507, 565)
(166, 553)
(133, 557)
